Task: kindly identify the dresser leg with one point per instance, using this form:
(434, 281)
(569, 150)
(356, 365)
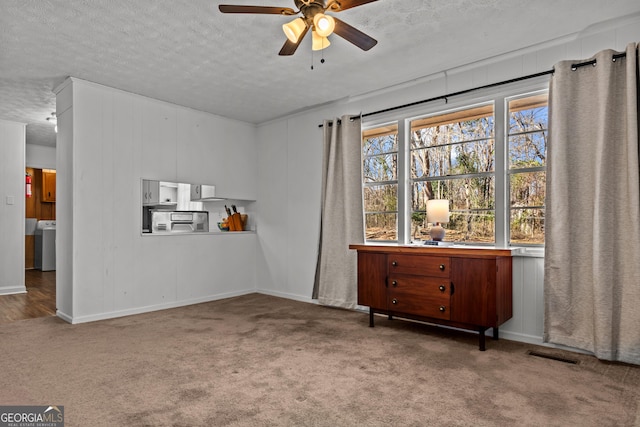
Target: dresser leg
(495, 333)
(481, 341)
(370, 317)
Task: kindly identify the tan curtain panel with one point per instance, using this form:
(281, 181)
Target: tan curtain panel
(341, 221)
(592, 250)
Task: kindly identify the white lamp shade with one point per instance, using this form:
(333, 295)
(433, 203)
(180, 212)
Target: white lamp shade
(294, 29)
(318, 42)
(438, 211)
(324, 24)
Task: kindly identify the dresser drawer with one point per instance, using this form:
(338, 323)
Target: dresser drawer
(419, 264)
(422, 296)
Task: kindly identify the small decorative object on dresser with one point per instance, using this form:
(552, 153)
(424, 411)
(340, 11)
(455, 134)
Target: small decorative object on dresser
(460, 287)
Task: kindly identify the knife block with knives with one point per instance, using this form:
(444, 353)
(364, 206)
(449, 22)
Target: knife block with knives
(235, 219)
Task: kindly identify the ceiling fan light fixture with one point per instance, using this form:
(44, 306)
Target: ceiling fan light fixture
(318, 42)
(294, 29)
(324, 24)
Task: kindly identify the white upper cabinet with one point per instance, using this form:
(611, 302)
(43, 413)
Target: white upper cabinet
(150, 192)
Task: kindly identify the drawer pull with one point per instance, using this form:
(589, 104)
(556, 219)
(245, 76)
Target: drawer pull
(441, 267)
(394, 283)
(442, 288)
(394, 301)
(442, 308)
(394, 263)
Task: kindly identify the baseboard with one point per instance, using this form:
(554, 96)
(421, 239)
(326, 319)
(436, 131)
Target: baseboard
(64, 316)
(295, 297)
(532, 339)
(517, 336)
(147, 309)
(10, 290)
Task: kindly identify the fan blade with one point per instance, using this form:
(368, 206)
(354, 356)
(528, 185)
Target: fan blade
(230, 8)
(289, 47)
(348, 4)
(354, 35)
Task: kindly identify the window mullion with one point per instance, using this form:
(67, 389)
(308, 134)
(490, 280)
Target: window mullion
(501, 177)
(404, 181)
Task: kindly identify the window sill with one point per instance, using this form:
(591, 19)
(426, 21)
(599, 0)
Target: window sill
(537, 252)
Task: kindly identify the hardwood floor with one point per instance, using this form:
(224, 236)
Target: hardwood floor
(39, 301)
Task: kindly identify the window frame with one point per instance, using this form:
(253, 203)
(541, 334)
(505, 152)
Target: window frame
(468, 111)
(499, 96)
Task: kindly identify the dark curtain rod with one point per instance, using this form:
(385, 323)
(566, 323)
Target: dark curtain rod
(462, 92)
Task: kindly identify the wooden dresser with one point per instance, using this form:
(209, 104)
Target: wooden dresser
(460, 287)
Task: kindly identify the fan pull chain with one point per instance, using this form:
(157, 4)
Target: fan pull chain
(321, 56)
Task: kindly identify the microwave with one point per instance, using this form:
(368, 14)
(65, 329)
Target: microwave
(179, 221)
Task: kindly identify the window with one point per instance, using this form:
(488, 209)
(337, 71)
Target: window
(380, 182)
(491, 170)
(527, 137)
(453, 158)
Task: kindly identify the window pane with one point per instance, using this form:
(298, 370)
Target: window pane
(527, 119)
(472, 217)
(527, 189)
(527, 226)
(457, 159)
(380, 144)
(465, 193)
(381, 198)
(472, 226)
(528, 150)
(528, 123)
(381, 226)
(419, 226)
(380, 168)
(466, 127)
(469, 227)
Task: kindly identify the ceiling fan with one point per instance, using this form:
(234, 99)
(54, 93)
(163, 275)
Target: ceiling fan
(313, 18)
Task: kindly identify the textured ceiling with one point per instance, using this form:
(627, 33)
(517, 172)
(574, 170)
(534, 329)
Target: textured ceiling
(188, 53)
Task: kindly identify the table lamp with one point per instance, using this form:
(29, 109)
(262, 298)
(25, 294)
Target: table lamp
(437, 212)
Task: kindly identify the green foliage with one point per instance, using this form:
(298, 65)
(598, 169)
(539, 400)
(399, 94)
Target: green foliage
(419, 217)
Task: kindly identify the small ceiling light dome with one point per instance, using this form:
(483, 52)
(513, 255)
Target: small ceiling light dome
(53, 119)
(318, 42)
(294, 29)
(324, 24)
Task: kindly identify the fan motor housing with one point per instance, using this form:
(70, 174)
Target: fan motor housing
(311, 9)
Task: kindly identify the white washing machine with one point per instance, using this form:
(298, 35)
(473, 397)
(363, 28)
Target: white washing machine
(45, 242)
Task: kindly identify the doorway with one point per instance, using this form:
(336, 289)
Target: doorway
(40, 278)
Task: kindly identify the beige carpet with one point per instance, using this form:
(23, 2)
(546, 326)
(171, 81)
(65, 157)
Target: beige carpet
(258, 360)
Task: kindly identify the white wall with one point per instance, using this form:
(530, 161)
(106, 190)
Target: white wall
(40, 157)
(108, 141)
(288, 202)
(290, 153)
(12, 206)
